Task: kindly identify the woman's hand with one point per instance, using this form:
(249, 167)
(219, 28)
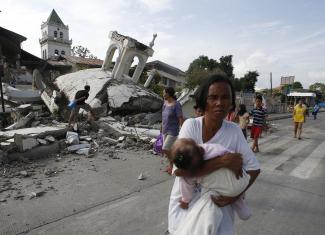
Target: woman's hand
(234, 162)
(222, 201)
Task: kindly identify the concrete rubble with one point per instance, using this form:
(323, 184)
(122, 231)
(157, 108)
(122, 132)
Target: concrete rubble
(38, 130)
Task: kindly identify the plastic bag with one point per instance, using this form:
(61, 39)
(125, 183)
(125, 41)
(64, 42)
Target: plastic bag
(157, 146)
(72, 104)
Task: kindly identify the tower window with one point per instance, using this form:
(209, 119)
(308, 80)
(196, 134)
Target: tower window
(62, 52)
(55, 34)
(61, 35)
(56, 52)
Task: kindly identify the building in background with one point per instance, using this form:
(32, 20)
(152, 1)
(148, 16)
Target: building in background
(170, 76)
(55, 37)
(287, 80)
(18, 64)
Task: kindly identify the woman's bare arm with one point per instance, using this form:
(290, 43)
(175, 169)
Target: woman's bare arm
(180, 120)
(232, 161)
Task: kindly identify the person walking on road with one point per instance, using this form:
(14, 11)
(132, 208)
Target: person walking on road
(299, 115)
(172, 119)
(315, 111)
(80, 99)
(259, 119)
(216, 97)
(243, 119)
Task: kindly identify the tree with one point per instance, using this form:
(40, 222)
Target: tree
(248, 81)
(237, 84)
(225, 65)
(319, 89)
(296, 85)
(203, 66)
(202, 63)
(83, 52)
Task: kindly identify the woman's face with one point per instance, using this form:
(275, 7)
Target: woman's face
(219, 101)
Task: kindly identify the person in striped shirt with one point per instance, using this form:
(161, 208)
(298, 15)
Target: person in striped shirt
(259, 116)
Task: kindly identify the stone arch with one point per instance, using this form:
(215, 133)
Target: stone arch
(139, 67)
(108, 62)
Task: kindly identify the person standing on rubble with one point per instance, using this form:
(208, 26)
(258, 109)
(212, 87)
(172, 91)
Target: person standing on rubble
(80, 99)
(172, 119)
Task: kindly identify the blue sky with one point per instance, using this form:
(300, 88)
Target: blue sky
(282, 37)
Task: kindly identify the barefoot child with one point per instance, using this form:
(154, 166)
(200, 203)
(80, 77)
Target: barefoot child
(188, 156)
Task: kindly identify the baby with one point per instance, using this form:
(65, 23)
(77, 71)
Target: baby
(188, 156)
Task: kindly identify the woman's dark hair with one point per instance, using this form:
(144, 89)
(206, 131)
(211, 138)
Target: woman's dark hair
(242, 110)
(87, 87)
(201, 95)
(183, 159)
(171, 92)
(259, 97)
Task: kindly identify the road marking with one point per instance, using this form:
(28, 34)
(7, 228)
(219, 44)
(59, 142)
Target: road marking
(305, 168)
(274, 162)
(282, 141)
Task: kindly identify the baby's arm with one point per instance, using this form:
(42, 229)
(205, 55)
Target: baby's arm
(187, 188)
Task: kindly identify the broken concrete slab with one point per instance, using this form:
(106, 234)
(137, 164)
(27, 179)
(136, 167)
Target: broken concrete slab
(35, 123)
(25, 143)
(83, 151)
(22, 122)
(110, 140)
(86, 138)
(76, 147)
(42, 141)
(20, 95)
(5, 145)
(36, 132)
(127, 98)
(24, 108)
(39, 152)
(49, 102)
(50, 139)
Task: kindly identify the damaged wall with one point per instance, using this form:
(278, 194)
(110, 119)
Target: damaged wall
(121, 93)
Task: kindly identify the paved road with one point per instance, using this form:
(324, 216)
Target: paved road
(288, 198)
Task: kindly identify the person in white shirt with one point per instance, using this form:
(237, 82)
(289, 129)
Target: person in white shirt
(205, 216)
(215, 97)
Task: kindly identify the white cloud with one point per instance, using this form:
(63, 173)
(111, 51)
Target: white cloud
(155, 6)
(317, 75)
(257, 43)
(258, 60)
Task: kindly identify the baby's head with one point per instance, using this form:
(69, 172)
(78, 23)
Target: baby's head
(187, 155)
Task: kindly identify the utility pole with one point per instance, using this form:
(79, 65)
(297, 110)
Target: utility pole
(271, 82)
